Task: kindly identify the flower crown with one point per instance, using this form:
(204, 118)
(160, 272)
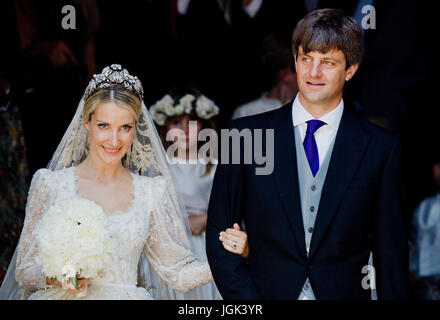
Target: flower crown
(114, 75)
(168, 107)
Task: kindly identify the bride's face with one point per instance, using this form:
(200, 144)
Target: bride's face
(111, 129)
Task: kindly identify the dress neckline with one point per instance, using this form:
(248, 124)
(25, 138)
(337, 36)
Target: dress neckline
(116, 213)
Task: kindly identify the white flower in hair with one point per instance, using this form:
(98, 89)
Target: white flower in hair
(186, 102)
(157, 116)
(179, 109)
(206, 108)
(167, 107)
(158, 110)
(161, 119)
(165, 104)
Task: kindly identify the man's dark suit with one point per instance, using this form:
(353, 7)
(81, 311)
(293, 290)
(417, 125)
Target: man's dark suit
(360, 210)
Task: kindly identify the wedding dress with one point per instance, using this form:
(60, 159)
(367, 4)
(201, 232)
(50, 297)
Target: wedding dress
(143, 227)
(153, 256)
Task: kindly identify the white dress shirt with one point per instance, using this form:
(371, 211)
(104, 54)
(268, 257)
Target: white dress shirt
(325, 134)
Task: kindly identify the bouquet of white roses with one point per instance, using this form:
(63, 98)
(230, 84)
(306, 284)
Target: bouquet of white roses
(72, 238)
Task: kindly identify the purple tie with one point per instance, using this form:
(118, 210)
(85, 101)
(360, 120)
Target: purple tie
(310, 144)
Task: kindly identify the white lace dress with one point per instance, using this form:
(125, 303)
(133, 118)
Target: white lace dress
(143, 228)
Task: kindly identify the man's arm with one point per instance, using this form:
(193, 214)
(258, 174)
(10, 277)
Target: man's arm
(390, 240)
(229, 270)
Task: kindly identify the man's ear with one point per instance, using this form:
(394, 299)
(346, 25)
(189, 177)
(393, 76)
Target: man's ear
(351, 71)
(294, 60)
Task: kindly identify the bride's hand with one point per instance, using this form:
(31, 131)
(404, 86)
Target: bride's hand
(52, 283)
(82, 284)
(238, 237)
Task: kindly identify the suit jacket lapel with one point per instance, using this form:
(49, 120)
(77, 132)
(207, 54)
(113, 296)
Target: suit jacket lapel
(347, 153)
(286, 173)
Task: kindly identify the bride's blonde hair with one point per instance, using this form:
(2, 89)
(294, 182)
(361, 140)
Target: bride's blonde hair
(116, 94)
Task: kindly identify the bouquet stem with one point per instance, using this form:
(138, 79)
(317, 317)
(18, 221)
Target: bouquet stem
(74, 281)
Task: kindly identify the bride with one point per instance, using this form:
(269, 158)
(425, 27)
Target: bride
(111, 154)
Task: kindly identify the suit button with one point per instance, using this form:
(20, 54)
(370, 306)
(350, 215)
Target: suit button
(314, 188)
(312, 209)
(310, 230)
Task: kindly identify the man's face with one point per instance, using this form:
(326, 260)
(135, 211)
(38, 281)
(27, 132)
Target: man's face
(321, 76)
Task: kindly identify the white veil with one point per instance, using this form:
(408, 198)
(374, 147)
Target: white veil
(146, 157)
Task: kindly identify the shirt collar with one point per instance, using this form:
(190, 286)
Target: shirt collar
(301, 115)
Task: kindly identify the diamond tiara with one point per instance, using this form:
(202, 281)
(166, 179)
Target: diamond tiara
(114, 75)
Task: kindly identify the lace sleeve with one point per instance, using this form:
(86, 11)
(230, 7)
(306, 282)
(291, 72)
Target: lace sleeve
(28, 273)
(167, 246)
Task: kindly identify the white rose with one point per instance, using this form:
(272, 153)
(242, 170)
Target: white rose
(153, 111)
(161, 105)
(206, 108)
(166, 100)
(186, 101)
(169, 110)
(179, 109)
(68, 271)
(160, 119)
(71, 236)
(157, 116)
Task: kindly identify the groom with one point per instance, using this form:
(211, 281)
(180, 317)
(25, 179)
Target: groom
(334, 195)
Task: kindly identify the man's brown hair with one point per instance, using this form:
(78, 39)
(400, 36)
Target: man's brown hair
(326, 29)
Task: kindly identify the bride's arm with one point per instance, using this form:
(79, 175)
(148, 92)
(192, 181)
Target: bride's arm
(28, 273)
(167, 249)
